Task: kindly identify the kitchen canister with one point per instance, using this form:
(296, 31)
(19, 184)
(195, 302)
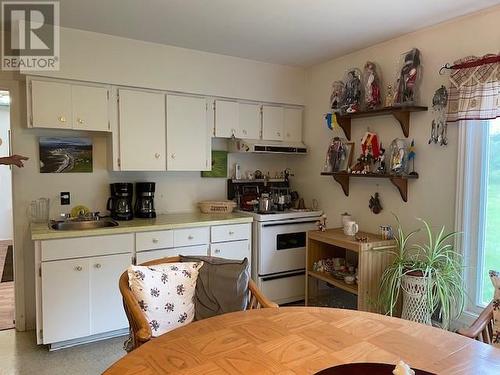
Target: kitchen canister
(386, 232)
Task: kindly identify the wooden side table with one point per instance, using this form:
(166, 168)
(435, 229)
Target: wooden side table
(333, 243)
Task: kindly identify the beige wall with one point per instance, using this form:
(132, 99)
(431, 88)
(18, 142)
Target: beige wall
(6, 225)
(432, 196)
(103, 58)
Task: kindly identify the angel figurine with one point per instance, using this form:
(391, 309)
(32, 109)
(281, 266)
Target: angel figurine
(371, 85)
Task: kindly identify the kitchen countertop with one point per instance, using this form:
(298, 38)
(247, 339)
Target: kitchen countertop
(161, 222)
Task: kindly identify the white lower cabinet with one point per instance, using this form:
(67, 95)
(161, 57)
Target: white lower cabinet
(106, 305)
(81, 297)
(231, 250)
(66, 304)
(146, 256)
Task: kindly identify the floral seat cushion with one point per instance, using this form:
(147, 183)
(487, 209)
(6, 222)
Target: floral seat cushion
(495, 279)
(165, 293)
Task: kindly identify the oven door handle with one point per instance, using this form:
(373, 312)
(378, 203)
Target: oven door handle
(290, 222)
(283, 275)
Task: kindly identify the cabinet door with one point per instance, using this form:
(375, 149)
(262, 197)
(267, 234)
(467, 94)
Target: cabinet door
(65, 300)
(50, 105)
(249, 121)
(188, 140)
(90, 107)
(231, 250)
(105, 299)
(142, 130)
(226, 118)
(272, 123)
(293, 124)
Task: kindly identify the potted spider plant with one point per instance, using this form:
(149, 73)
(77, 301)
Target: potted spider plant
(428, 275)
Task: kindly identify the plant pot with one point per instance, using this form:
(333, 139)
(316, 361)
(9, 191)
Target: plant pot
(415, 307)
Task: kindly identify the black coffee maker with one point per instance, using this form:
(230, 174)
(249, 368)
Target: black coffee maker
(144, 200)
(120, 203)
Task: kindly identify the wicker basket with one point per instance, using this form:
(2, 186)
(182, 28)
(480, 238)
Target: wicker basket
(217, 207)
(415, 299)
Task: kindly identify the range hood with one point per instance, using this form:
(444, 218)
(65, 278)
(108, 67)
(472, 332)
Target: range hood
(267, 147)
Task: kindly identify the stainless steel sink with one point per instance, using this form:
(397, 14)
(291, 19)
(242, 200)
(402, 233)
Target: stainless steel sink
(82, 225)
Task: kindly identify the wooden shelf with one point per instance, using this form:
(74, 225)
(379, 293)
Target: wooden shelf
(401, 182)
(401, 114)
(326, 277)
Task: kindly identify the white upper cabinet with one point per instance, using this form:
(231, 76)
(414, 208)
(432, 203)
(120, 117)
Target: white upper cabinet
(293, 124)
(272, 123)
(240, 120)
(226, 118)
(249, 121)
(141, 118)
(60, 105)
(50, 105)
(90, 108)
(188, 138)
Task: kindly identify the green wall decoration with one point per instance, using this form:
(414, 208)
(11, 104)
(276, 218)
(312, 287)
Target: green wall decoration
(219, 165)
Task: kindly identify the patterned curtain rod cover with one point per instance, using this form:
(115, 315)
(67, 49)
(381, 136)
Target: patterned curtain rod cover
(474, 92)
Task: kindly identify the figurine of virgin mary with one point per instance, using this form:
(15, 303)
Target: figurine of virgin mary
(371, 86)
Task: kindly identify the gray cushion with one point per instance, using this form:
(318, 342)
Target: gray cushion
(222, 286)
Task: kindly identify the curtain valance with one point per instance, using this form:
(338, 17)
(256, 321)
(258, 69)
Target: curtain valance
(474, 92)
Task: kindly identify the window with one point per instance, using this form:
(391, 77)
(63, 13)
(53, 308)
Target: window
(478, 206)
(489, 252)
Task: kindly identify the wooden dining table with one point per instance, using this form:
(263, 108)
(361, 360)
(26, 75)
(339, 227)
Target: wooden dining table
(304, 340)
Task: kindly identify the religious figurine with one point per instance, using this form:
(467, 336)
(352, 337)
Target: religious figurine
(389, 97)
(381, 161)
(352, 97)
(407, 81)
(399, 157)
(371, 86)
(322, 223)
(337, 95)
(374, 204)
(334, 156)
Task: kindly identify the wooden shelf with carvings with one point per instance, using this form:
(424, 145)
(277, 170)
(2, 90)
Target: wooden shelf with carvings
(401, 114)
(400, 181)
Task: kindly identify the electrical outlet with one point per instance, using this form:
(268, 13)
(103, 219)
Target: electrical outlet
(65, 198)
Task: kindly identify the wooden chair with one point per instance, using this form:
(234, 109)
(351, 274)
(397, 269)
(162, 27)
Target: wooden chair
(140, 331)
(482, 328)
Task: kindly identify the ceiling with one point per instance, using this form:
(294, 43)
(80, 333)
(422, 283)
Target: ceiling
(291, 32)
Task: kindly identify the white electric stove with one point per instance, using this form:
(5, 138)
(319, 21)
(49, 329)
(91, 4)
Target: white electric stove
(279, 252)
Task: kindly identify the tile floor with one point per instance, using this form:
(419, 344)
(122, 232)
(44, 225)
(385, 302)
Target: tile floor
(19, 355)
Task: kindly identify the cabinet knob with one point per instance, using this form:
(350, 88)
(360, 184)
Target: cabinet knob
(190, 237)
(80, 121)
(62, 119)
(78, 268)
(231, 233)
(172, 156)
(157, 155)
(97, 265)
(155, 240)
(217, 251)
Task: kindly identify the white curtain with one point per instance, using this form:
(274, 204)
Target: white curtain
(470, 203)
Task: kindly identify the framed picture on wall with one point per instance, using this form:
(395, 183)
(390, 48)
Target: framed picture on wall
(219, 165)
(65, 155)
(347, 161)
